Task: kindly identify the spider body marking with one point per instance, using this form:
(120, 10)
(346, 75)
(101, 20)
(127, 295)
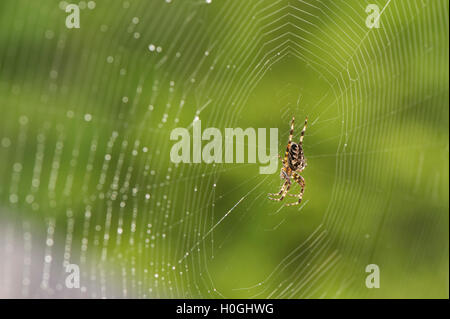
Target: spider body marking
(294, 162)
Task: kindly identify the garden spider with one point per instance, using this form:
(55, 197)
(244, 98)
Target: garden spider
(294, 162)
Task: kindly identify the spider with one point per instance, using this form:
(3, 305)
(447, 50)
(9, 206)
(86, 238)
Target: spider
(294, 162)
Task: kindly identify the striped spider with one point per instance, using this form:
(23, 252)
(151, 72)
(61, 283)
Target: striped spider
(294, 162)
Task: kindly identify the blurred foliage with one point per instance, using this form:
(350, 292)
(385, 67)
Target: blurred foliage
(377, 143)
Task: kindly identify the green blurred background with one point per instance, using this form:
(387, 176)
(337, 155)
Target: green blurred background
(86, 177)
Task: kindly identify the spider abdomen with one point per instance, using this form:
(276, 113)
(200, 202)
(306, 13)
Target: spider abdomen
(295, 156)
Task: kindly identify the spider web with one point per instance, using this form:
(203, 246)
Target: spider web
(84, 154)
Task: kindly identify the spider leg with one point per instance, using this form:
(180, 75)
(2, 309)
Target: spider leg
(291, 134)
(286, 189)
(281, 190)
(301, 181)
(302, 134)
